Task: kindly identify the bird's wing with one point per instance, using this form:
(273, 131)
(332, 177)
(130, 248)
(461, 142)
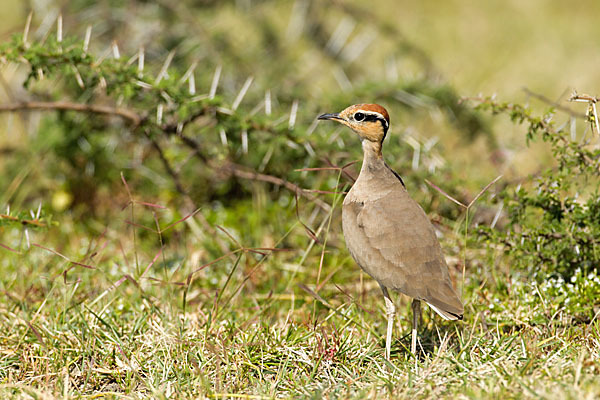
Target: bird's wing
(393, 240)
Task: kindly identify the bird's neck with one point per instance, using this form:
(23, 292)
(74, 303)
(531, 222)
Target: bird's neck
(372, 158)
(371, 152)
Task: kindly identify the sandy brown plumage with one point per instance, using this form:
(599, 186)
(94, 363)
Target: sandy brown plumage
(391, 238)
(387, 233)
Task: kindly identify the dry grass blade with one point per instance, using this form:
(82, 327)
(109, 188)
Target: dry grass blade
(229, 235)
(216, 260)
(314, 295)
(482, 191)
(151, 263)
(196, 211)
(36, 333)
(144, 203)
(9, 248)
(63, 256)
(318, 169)
(446, 195)
(128, 222)
(311, 234)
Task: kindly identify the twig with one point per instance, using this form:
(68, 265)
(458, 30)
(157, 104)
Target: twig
(34, 222)
(134, 118)
(179, 187)
(554, 104)
(241, 172)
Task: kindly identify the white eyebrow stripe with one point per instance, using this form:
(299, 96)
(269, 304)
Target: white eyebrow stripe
(376, 114)
(373, 113)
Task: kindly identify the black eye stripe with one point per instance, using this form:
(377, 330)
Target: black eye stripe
(367, 117)
(371, 117)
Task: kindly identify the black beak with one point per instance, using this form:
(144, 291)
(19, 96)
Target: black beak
(330, 116)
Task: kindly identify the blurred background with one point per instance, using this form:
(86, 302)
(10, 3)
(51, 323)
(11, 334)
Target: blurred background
(329, 55)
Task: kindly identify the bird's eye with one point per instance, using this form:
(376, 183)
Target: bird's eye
(359, 116)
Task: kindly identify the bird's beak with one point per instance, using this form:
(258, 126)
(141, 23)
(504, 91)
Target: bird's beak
(335, 116)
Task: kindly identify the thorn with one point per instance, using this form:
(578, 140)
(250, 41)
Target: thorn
(268, 102)
(497, 216)
(358, 45)
(192, 84)
(86, 40)
(266, 159)
(340, 35)
(293, 112)
(245, 141)
(342, 79)
(242, 93)
(309, 149)
(103, 56)
(78, 77)
(165, 67)
(59, 28)
(292, 145)
(141, 56)
(223, 135)
(143, 84)
(159, 114)
(26, 30)
(166, 96)
(115, 50)
(391, 69)
(595, 118)
(198, 98)
(256, 109)
(416, 151)
(188, 72)
(191, 79)
(215, 82)
(224, 110)
(312, 127)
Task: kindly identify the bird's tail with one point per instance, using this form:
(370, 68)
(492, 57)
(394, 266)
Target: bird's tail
(446, 314)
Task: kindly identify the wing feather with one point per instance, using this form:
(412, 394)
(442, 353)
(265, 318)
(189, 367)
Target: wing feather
(392, 239)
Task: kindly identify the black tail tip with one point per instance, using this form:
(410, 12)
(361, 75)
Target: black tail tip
(458, 316)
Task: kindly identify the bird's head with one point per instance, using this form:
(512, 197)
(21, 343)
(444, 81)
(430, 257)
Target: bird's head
(369, 121)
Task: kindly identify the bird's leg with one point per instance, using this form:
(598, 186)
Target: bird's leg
(416, 309)
(390, 310)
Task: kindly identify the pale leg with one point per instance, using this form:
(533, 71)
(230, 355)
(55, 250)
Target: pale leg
(416, 309)
(390, 310)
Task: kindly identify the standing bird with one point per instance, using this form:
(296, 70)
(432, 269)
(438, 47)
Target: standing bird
(387, 232)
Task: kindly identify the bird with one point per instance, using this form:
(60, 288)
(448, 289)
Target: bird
(387, 232)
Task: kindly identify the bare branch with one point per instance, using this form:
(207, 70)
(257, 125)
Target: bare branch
(242, 172)
(554, 104)
(134, 118)
(34, 222)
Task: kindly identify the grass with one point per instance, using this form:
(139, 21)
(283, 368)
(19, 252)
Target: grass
(263, 324)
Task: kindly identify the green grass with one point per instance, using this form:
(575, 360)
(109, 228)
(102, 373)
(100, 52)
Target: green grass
(246, 328)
